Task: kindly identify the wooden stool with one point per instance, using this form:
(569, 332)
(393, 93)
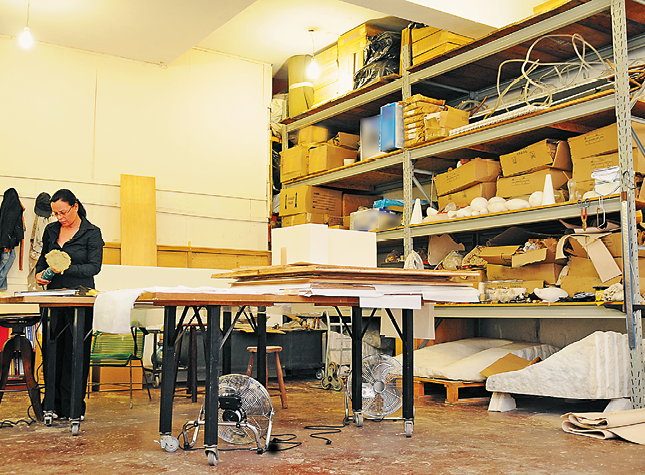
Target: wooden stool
(275, 350)
(19, 345)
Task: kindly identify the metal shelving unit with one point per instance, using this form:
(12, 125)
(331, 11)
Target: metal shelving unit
(469, 72)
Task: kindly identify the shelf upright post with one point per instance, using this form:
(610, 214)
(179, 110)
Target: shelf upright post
(408, 170)
(628, 205)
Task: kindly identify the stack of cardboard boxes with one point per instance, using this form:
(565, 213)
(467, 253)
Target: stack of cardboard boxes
(427, 43)
(472, 179)
(426, 119)
(339, 62)
(525, 170)
(598, 149)
(316, 152)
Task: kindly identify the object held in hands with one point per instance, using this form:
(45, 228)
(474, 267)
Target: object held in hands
(59, 261)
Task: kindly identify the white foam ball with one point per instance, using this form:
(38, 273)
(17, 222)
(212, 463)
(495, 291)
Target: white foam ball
(498, 199)
(478, 203)
(517, 203)
(483, 211)
(452, 214)
(497, 206)
(536, 198)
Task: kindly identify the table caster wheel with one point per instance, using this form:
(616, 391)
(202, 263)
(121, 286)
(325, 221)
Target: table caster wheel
(358, 419)
(408, 428)
(212, 457)
(169, 443)
(320, 374)
(75, 428)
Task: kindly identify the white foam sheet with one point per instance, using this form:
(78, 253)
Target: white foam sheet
(430, 361)
(596, 367)
(469, 368)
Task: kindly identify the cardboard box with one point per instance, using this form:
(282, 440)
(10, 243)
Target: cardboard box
(391, 127)
(548, 273)
(475, 171)
(614, 243)
(418, 34)
(604, 263)
(327, 62)
(500, 255)
(436, 51)
(374, 220)
(450, 118)
(310, 199)
(530, 182)
(326, 93)
(601, 141)
(546, 6)
(317, 244)
(326, 157)
(343, 139)
(583, 167)
(315, 218)
(545, 154)
(351, 202)
(546, 254)
(529, 285)
(574, 284)
(313, 134)
(433, 43)
(294, 162)
(463, 198)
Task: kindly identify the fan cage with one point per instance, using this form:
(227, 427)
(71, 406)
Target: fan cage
(381, 385)
(256, 403)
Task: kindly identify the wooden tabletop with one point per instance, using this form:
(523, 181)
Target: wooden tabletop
(51, 300)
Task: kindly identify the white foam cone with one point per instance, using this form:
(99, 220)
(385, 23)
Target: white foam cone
(417, 215)
(548, 197)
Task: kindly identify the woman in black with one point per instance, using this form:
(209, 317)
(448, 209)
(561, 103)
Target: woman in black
(83, 242)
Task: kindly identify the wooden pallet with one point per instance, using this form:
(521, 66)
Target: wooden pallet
(428, 388)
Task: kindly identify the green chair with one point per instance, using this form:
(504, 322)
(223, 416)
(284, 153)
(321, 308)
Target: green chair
(118, 351)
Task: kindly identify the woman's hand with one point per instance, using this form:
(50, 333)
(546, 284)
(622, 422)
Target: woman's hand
(40, 280)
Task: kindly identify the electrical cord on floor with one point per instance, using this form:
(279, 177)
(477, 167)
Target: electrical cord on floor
(321, 431)
(9, 423)
(275, 442)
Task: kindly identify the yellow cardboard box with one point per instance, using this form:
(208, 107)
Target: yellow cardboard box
(545, 154)
(310, 199)
(583, 167)
(463, 198)
(529, 182)
(601, 141)
(478, 170)
(313, 134)
(327, 156)
(547, 272)
(294, 162)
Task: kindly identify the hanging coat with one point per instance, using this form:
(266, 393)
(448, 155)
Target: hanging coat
(12, 224)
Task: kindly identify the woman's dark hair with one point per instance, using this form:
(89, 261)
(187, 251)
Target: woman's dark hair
(68, 197)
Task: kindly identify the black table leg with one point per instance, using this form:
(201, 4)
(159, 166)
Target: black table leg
(262, 345)
(408, 370)
(211, 398)
(227, 350)
(192, 364)
(49, 319)
(168, 443)
(76, 397)
(357, 365)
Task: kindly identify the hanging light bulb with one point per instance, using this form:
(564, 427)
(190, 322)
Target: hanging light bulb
(25, 38)
(313, 70)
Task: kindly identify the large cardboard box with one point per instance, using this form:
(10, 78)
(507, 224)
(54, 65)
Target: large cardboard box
(583, 167)
(352, 202)
(574, 284)
(327, 61)
(310, 199)
(528, 183)
(591, 245)
(326, 157)
(350, 53)
(500, 255)
(547, 272)
(315, 218)
(450, 118)
(430, 42)
(545, 154)
(475, 171)
(317, 244)
(601, 141)
(463, 198)
(326, 93)
(294, 162)
(313, 134)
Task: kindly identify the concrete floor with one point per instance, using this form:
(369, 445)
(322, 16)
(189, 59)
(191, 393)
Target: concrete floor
(115, 439)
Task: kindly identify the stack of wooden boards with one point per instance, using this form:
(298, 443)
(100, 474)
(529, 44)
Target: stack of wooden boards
(346, 276)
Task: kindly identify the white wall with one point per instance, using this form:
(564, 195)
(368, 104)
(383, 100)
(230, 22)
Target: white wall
(200, 126)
